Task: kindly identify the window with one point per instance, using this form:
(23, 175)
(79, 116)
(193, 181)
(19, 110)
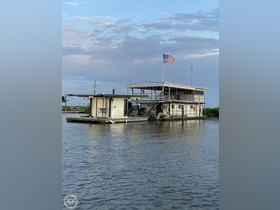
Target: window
(172, 106)
(196, 92)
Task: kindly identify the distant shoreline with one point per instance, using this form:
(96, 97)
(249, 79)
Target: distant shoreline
(211, 112)
(74, 112)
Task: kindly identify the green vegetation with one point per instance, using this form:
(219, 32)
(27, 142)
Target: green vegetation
(85, 109)
(211, 112)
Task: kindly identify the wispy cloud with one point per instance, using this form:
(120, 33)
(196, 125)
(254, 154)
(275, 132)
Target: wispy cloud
(76, 38)
(205, 53)
(71, 3)
(180, 22)
(199, 21)
(81, 59)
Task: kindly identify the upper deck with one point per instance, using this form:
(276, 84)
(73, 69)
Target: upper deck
(166, 91)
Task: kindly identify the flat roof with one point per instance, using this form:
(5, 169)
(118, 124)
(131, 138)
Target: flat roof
(106, 95)
(159, 85)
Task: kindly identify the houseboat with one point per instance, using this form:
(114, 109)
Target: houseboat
(145, 101)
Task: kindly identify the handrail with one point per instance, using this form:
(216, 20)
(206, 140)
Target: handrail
(157, 98)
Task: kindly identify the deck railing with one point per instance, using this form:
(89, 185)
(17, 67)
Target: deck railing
(186, 97)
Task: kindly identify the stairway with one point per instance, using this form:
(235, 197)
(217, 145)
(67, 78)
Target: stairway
(153, 105)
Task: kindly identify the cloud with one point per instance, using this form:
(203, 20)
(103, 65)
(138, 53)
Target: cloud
(200, 21)
(205, 53)
(75, 38)
(194, 23)
(132, 55)
(81, 59)
(111, 40)
(122, 50)
(99, 21)
(70, 3)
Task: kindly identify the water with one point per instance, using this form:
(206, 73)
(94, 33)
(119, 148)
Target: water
(145, 165)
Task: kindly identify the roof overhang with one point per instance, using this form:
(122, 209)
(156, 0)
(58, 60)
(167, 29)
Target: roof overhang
(107, 95)
(158, 86)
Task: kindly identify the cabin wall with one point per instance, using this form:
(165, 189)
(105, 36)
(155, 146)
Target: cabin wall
(199, 98)
(100, 107)
(176, 109)
(195, 110)
(117, 107)
(165, 109)
(185, 97)
(92, 107)
(190, 110)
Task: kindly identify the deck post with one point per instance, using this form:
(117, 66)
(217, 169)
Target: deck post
(110, 106)
(90, 106)
(169, 93)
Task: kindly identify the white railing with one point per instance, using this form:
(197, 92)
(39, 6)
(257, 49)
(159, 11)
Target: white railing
(188, 97)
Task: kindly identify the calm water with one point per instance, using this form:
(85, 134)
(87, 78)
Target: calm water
(146, 165)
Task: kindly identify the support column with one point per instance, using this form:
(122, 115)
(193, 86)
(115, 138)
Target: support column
(169, 93)
(90, 107)
(169, 109)
(96, 107)
(110, 106)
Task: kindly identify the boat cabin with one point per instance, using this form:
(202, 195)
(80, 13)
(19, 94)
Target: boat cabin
(169, 100)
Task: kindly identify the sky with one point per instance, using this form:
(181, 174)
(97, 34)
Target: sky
(117, 42)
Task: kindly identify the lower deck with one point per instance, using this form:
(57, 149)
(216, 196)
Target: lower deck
(108, 120)
(105, 120)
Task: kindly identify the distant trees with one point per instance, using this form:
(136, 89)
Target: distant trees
(211, 112)
(85, 109)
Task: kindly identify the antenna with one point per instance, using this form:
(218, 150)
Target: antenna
(191, 74)
(94, 87)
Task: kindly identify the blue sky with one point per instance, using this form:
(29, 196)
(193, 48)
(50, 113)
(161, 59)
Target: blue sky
(117, 42)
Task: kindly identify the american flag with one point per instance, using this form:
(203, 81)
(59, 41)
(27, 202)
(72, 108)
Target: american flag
(168, 59)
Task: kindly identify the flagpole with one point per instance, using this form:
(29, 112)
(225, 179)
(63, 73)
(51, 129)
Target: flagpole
(191, 74)
(162, 78)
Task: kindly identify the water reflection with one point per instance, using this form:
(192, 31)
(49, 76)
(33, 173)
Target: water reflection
(146, 165)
